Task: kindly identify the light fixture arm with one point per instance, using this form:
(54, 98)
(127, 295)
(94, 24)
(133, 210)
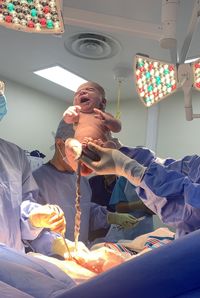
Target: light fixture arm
(185, 79)
(190, 31)
(168, 18)
(188, 105)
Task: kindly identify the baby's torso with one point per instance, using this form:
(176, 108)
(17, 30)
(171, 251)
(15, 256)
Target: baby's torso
(89, 126)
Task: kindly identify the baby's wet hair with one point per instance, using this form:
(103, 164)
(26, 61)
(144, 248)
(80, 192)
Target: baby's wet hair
(99, 87)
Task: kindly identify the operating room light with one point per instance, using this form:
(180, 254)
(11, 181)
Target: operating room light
(38, 16)
(61, 77)
(196, 73)
(154, 79)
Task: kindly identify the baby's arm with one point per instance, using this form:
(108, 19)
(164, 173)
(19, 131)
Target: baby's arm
(71, 115)
(110, 121)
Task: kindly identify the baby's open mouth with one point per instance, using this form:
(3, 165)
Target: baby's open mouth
(84, 99)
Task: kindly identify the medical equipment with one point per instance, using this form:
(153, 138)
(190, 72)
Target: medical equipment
(156, 80)
(32, 16)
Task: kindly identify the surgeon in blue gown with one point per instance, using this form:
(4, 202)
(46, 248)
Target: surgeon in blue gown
(125, 199)
(22, 220)
(57, 185)
(170, 188)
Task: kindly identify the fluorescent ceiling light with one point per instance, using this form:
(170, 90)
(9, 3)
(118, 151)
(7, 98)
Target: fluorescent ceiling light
(61, 77)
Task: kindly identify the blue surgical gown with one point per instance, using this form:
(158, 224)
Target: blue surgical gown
(171, 189)
(124, 191)
(58, 187)
(143, 155)
(17, 193)
(28, 274)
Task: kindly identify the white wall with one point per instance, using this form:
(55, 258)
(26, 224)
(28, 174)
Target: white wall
(31, 118)
(133, 117)
(177, 136)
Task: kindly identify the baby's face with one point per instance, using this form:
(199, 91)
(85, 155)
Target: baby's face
(88, 97)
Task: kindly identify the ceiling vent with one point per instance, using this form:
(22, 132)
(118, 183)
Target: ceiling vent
(92, 46)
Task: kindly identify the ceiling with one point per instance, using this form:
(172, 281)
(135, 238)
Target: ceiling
(134, 25)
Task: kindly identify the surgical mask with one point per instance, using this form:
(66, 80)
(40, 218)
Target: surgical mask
(3, 106)
(64, 158)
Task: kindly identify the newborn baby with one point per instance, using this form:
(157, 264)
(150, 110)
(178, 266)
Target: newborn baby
(91, 122)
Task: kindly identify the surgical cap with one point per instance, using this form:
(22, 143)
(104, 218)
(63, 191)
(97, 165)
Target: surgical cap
(64, 131)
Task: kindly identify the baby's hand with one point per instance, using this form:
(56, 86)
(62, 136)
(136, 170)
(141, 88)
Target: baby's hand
(71, 115)
(99, 114)
(104, 117)
(108, 120)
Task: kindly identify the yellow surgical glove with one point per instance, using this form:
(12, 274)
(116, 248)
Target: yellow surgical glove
(49, 216)
(81, 247)
(124, 220)
(66, 248)
(59, 247)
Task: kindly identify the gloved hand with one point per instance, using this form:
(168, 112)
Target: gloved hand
(71, 115)
(49, 216)
(81, 247)
(60, 248)
(73, 149)
(66, 248)
(124, 220)
(112, 161)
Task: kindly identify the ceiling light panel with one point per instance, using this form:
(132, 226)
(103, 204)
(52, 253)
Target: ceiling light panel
(61, 77)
